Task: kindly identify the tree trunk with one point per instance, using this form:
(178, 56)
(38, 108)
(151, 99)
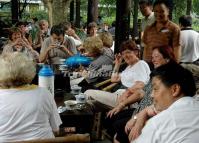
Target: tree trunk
(189, 7)
(135, 19)
(72, 11)
(92, 11)
(57, 10)
(77, 21)
(15, 11)
(60, 12)
(122, 22)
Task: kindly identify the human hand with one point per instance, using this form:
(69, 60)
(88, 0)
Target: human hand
(116, 110)
(136, 130)
(124, 96)
(84, 73)
(118, 59)
(129, 125)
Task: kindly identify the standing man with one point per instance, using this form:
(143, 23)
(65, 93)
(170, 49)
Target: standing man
(189, 41)
(146, 10)
(162, 32)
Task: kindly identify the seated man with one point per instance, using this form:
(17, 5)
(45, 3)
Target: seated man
(177, 111)
(56, 47)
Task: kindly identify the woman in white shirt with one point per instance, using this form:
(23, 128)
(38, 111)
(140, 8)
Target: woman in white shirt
(27, 111)
(134, 76)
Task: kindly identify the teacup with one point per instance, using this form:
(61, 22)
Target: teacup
(80, 98)
(75, 89)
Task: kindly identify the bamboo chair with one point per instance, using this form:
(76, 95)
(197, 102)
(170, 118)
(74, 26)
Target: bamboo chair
(107, 85)
(74, 138)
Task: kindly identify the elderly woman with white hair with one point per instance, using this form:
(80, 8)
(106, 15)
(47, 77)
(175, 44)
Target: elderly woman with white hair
(27, 111)
(102, 63)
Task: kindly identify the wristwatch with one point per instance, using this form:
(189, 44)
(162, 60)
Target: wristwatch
(135, 117)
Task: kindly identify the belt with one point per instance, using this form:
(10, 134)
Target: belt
(195, 62)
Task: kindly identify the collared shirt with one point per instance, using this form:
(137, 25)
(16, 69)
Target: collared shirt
(177, 124)
(168, 34)
(189, 40)
(147, 21)
(55, 54)
(101, 66)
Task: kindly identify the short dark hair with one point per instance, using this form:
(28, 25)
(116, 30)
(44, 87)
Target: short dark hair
(57, 30)
(167, 3)
(147, 2)
(66, 25)
(173, 73)
(21, 23)
(128, 45)
(185, 20)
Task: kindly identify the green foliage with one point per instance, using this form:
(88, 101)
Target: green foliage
(40, 14)
(196, 6)
(179, 9)
(196, 24)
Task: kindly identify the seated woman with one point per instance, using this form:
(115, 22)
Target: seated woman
(18, 43)
(27, 111)
(92, 29)
(107, 40)
(134, 76)
(118, 117)
(101, 66)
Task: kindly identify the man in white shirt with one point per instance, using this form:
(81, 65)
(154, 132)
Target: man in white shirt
(146, 10)
(189, 41)
(178, 120)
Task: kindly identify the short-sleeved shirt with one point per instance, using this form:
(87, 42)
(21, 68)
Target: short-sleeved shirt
(177, 124)
(148, 21)
(138, 72)
(167, 35)
(27, 114)
(55, 54)
(32, 54)
(190, 45)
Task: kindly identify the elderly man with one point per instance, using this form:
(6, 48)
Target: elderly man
(177, 111)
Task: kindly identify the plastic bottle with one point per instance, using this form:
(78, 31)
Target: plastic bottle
(46, 78)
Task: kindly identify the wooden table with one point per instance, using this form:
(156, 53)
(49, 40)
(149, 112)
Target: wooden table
(82, 119)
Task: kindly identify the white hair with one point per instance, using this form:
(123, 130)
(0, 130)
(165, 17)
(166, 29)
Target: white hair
(16, 70)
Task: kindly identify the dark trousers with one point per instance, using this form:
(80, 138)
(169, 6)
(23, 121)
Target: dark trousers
(117, 123)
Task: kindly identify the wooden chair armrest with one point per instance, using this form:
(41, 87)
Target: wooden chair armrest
(74, 138)
(108, 88)
(103, 83)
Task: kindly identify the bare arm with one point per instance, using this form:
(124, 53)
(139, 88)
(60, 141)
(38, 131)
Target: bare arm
(44, 55)
(177, 53)
(115, 77)
(135, 97)
(135, 125)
